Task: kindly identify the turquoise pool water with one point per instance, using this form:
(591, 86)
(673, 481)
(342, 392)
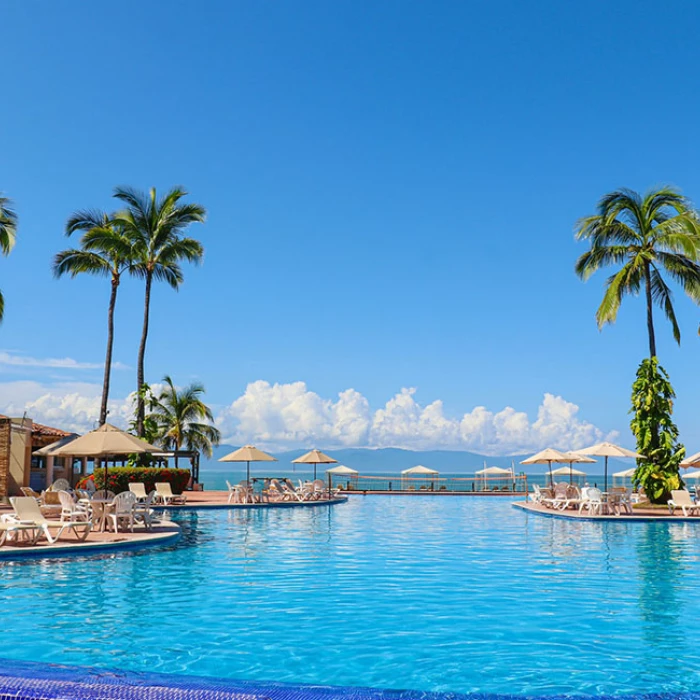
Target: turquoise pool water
(450, 594)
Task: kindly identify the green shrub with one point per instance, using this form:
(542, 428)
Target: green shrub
(119, 478)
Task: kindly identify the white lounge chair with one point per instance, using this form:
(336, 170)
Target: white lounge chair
(682, 499)
(139, 490)
(10, 527)
(165, 494)
(27, 513)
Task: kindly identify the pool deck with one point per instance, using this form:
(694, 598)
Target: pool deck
(219, 499)
(96, 542)
(642, 514)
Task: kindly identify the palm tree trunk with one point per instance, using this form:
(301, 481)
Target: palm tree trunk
(650, 316)
(110, 344)
(140, 408)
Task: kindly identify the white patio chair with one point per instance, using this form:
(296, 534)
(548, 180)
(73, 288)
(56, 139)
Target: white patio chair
(232, 491)
(122, 510)
(682, 499)
(60, 485)
(591, 500)
(143, 511)
(27, 513)
(72, 511)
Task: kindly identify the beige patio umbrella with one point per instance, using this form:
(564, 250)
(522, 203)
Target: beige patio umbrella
(420, 469)
(315, 457)
(247, 454)
(692, 475)
(547, 456)
(692, 461)
(342, 470)
(106, 441)
(608, 449)
(567, 471)
(579, 459)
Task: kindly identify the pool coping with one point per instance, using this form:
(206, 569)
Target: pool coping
(529, 507)
(165, 534)
(248, 506)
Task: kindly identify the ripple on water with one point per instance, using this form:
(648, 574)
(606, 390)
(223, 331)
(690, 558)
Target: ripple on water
(447, 594)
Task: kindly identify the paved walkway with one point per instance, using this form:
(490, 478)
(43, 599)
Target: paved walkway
(640, 514)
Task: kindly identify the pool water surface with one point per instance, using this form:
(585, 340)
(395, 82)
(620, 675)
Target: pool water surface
(427, 593)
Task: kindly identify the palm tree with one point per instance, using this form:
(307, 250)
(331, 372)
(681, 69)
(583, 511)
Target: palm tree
(8, 234)
(646, 236)
(156, 228)
(184, 420)
(106, 251)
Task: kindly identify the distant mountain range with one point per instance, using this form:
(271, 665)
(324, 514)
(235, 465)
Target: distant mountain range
(392, 460)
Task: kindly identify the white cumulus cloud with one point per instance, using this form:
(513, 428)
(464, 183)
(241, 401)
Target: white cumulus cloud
(280, 416)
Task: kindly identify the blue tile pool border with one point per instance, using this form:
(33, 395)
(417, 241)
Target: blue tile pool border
(24, 680)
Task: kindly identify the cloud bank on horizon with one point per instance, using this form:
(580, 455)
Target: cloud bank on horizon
(287, 416)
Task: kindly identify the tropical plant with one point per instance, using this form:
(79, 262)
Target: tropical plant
(8, 235)
(117, 479)
(646, 236)
(105, 251)
(151, 429)
(156, 227)
(656, 433)
(184, 420)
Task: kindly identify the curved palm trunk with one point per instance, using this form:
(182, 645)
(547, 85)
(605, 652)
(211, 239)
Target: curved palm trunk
(110, 344)
(650, 316)
(140, 403)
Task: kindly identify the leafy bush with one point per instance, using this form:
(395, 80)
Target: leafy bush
(656, 433)
(119, 478)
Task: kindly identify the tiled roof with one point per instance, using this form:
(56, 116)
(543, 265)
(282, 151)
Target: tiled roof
(39, 429)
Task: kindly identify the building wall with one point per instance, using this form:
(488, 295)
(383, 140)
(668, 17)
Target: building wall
(5, 431)
(20, 456)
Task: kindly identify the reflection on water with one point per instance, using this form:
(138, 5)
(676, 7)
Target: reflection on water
(451, 594)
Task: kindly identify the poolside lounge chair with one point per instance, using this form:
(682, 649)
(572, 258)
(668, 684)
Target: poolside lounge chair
(31, 493)
(165, 494)
(13, 527)
(27, 512)
(139, 490)
(681, 499)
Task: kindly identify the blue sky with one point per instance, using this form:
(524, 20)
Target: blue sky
(391, 189)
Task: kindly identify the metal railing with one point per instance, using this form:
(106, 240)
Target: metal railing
(396, 483)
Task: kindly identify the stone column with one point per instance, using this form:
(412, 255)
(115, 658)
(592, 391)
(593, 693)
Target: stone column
(83, 466)
(49, 471)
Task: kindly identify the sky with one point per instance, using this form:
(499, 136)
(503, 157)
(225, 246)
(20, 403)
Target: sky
(391, 189)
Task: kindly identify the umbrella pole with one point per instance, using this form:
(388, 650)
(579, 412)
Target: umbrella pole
(551, 476)
(571, 473)
(314, 471)
(606, 473)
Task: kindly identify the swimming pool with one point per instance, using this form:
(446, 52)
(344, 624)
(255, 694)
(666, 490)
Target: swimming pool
(428, 593)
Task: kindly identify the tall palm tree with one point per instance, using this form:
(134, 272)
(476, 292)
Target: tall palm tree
(8, 234)
(156, 227)
(646, 236)
(106, 251)
(184, 420)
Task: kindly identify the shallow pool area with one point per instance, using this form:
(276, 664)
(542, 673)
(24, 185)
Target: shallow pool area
(431, 594)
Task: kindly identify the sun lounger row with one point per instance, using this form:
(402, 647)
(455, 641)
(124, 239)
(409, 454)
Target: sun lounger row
(279, 490)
